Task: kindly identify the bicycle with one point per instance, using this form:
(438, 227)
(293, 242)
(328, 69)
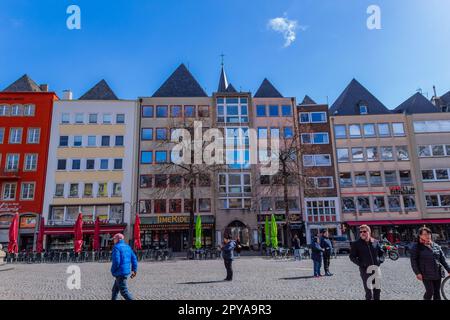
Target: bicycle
(445, 288)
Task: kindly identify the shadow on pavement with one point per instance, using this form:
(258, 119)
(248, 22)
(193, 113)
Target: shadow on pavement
(298, 278)
(203, 282)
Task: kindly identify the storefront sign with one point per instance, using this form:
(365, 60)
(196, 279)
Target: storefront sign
(174, 220)
(280, 217)
(7, 207)
(28, 222)
(397, 190)
(5, 219)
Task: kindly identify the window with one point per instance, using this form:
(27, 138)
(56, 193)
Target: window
(384, 130)
(147, 111)
(77, 141)
(340, 131)
(146, 181)
(160, 206)
(286, 111)
(405, 177)
(76, 164)
(161, 134)
(12, 162)
(204, 180)
(288, 133)
(319, 117)
(355, 130)
(357, 154)
(390, 178)
(204, 205)
(387, 153)
(345, 179)
(325, 183)
(379, 205)
(4, 110)
(189, 111)
(72, 213)
(360, 179)
(15, 135)
(9, 191)
(147, 134)
(428, 175)
(203, 111)
(117, 189)
(438, 151)
(321, 138)
(73, 190)
(34, 135)
(432, 126)
(29, 110)
(274, 133)
(92, 141)
(104, 164)
(322, 160)
(176, 111)
(93, 118)
(232, 110)
(160, 181)
(62, 164)
(105, 141)
(90, 164)
(65, 118)
(398, 129)
(394, 203)
(79, 118)
(445, 200)
(146, 157)
(342, 155)
(30, 162)
(348, 205)
(161, 111)
(16, 110)
(118, 164)
(363, 204)
(175, 181)
(161, 157)
(424, 151)
(107, 118)
(375, 178)
(59, 190)
(2, 135)
(119, 141)
(175, 206)
(264, 180)
(88, 190)
(304, 117)
(402, 153)
(57, 214)
(261, 111)
(372, 154)
(145, 206)
(102, 190)
(442, 174)
(363, 110)
(266, 204)
(306, 138)
(432, 201)
(369, 130)
(63, 141)
(409, 202)
(273, 111)
(120, 118)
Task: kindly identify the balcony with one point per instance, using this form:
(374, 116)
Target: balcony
(9, 175)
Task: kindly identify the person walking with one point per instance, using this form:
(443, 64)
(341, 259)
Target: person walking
(124, 263)
(238, 247)
(228, 256)
(428, 263)
(326, 244)
(367, 254)
(316, 256)
(296, 244)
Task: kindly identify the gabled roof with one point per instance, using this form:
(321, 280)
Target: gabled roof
(101, 91)
(23, 84)
(231, 89)
(417, 104)
(223, 81)
(180, 84)
(267, 90)
(352, 97)
(446, 97)
(307, 100)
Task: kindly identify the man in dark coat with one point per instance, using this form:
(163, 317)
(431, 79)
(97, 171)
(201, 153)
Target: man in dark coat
(316, 256)
(367, 254)
(327, 247)
(228, 256)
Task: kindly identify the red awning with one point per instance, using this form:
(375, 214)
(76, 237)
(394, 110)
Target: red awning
(398, 222)
(86, 230)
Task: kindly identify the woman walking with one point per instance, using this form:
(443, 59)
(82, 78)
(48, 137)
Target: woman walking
(428, 263)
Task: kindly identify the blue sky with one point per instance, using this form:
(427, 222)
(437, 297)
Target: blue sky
(135, 45)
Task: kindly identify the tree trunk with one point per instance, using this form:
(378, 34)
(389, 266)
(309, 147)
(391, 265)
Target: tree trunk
(191, 214)
(286, 204)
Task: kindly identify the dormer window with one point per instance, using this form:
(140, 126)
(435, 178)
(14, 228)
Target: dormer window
(363, 110)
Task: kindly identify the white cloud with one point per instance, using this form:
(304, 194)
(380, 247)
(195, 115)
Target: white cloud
(286, 27)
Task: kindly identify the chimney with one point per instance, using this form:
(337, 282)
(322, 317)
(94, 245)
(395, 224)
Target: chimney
(67, 95)
(44, 87)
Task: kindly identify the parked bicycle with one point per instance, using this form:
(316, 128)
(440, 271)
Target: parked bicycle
(445, 288)
(390, 250)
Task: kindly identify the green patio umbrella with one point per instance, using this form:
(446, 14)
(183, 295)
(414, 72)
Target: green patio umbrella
(198, 233)
(267, 232)
(274, 233)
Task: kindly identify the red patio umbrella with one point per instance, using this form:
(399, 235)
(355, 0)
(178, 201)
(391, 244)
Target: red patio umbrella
(137, 233)
(96, 244)
(13, 246)
(78, 234)
(40, 239)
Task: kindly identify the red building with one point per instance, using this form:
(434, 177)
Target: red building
(25, 123)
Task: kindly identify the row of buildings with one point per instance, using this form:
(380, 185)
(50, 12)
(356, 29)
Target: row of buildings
(356, 162)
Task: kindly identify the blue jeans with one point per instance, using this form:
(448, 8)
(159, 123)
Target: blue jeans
(120, 285)
(317, 266)
(297, 254)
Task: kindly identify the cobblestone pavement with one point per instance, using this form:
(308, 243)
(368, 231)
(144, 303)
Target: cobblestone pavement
(255, 278)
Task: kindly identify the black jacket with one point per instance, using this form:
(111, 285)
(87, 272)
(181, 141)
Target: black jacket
(326, 244)
(424, 261)
(365, 254)
(296, 243)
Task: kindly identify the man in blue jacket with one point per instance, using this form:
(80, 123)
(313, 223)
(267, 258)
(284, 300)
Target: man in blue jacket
(124, 263)
(228, 256)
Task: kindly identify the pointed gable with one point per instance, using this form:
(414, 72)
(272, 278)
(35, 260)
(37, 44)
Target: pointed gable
(23, 84)
(223, 81)
(101, 91)
(417, 104)
(230, 89)
(308, 101)
(180, 84)
(267, 90)
(446, 98)
(352, 97)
